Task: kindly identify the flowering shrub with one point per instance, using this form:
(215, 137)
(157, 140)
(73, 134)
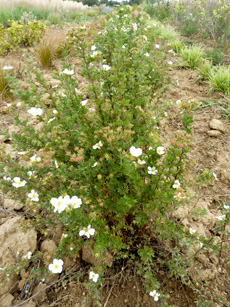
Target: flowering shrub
(98, 168)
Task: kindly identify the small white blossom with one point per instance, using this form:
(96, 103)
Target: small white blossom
(93, 276)
(179, 103)
(83, 102)
(75, 202)
(35, 159)
(95, 164)
(17, 183)
(7, 178)
(170, 62)
(106, 67)
(87, 232)
(22, 152)
(134, 26)
(63, 236)
(152, 170)
(192, 231)
(30, 173)
(147, 54)
(221, 217)
(155, 295)
(7, 67)
(157, 46)
(160, 150)
(33, 196)
(226, 207)
(180, 197)
(176, 184)
(56, 266)
(56, 164)
(55, 111)
(60, 203)
(136, 152)
(201, 244)
(9, 105)
(18, 104)
(35, 111)
(98, 145)
(68, 72)
(28, 256)
(140, 162)
(93, 48)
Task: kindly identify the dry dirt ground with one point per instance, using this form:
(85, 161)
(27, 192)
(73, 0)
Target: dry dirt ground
(210, 149)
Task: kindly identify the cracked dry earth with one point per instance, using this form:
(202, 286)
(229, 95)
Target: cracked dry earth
(210, 149)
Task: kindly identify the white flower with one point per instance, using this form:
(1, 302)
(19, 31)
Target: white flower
(35, 111)
(136, 152)
(160, 150)
(98, 145)
(147, 54)
(226, 207)
(60, 203)
(93, 276)
(170, 51)
(56, 266)
(157, 46)
(93, 48)
(7, 178)
(123, 47)
(30, 173)
(155, 295)
(152, 170)
(75, 202)
(18, 183)
(68, 72)
(35, 158)
(221, 217)
(56, 164)
(179, 103)
(176, 184)
(95, 53)
(55, 111)
(50, 120)
(87, 232)
(106, 67)
(192, 231)
(9, 105)
(134, 26)
(179, 196)
(28, 256)
(95, 164)
(18, 104)
(141, 161)
(170, 62)
(83, 102)
(7, 67)
(201, 244)
(33, 196)
(22, 152)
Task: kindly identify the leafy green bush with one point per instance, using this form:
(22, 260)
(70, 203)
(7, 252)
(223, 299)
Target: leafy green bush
(104, 176)
(215, 56)
(25, 34)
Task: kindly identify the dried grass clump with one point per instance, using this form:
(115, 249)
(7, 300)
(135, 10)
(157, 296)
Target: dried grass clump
(44, 4)
(47, 50)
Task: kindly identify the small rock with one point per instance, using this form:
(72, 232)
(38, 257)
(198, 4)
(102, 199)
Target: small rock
(6, 300)
(12, 204)
(54, 82)
(216, 124)
(88, 256)
(213, 133)
(48, 246)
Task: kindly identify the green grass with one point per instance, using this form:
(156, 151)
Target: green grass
(219, 79)
(192, 56)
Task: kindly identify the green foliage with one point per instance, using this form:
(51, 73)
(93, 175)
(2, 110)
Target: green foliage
(215, 56)
(177, 45)
(160, 10)
(192, 56)
(47, 50)
(219, 79)
(4, 86)
(25, 34)
(205, 70)
(169, 34)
